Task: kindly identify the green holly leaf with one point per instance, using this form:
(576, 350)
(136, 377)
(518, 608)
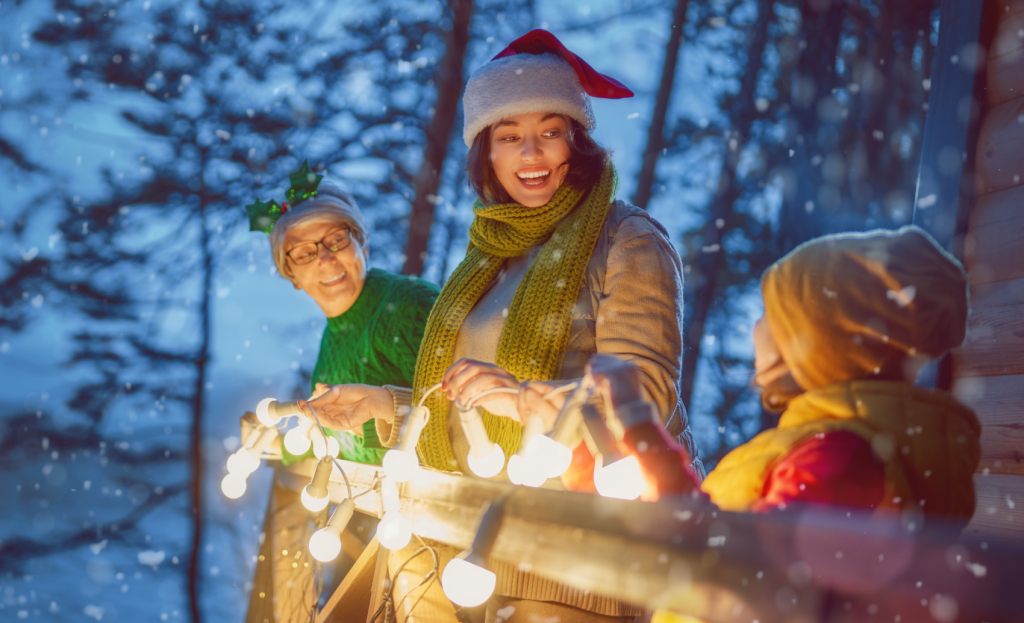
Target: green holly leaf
(304, 183)
(263, 215)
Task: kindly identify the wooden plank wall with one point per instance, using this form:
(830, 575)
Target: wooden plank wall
(990, 365)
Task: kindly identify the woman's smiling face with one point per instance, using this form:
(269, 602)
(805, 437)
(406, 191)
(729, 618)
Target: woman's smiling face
(333, 279)
(530, 156)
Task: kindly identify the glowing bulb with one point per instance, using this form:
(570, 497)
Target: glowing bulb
(394, 530)
(467, 584)
(400, 462)
(233, 485)
(554, 457)
(400, 465)
(243, 462)
(486, 458)
(621, 479)
(313, 502)
(325, 445)
(487, 461)
(296, 441)
(325, 544)
(523, 469)
(265, 415)
(315, 496)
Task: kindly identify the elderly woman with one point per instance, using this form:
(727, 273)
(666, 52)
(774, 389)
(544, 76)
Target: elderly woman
(375, 319)
(556, 271)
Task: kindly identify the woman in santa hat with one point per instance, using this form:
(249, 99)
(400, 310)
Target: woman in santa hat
(557, 270)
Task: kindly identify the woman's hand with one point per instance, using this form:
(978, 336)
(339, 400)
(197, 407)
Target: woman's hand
(466, 379)
(538, 398)
(348, 407)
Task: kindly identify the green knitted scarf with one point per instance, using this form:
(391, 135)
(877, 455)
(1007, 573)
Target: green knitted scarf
(536, 331)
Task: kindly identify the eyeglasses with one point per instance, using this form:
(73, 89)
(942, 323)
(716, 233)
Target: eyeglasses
(306, 252)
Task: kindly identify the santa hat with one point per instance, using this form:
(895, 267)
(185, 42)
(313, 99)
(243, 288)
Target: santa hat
(535, 73)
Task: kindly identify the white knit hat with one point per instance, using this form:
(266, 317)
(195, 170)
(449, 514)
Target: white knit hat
(535, 73)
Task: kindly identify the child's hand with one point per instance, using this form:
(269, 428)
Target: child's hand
(617, 380)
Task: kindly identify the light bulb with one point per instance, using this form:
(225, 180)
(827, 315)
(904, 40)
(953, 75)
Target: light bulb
(486, 458)
(325, 445)
(467, 584)
(265, 415)
(394, 530)
(554, 457)
(621, 479)
(233, 486)
(487, 461)
(400, 462)
(315, 496)
(296, 441)
(523, 469)
(313, 502)
(243, 462)
(400, 465)
(269, 411)
(325, 544)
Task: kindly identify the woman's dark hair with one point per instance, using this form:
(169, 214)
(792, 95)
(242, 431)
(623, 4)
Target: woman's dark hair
(586, 163)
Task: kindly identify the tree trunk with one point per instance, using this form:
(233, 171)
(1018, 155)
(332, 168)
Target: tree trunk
(439, 135)
(202, 361)
(812, 140)
(703, 280)
(656, 131)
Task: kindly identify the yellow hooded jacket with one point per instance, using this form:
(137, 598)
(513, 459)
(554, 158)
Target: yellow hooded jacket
(846, 311)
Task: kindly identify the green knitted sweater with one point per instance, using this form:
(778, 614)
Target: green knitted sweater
(375, 342)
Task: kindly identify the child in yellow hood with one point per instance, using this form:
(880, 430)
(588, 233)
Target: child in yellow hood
(848, 321)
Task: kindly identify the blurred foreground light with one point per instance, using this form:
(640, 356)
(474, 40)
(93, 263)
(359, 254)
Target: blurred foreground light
(325, 544)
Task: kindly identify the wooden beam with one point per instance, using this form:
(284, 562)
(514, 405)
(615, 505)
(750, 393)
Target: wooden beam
(998, 402)
(351, 600)
(995, 240)
(997, 513)
(994, 344)
(1005, 74)
(684, 556)
(1000, 156)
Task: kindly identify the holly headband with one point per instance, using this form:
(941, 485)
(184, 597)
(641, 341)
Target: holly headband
(264, 214)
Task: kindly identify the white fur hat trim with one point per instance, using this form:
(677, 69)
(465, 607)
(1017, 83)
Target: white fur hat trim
(522, 83)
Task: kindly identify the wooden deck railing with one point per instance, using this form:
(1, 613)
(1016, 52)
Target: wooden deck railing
(685, 556)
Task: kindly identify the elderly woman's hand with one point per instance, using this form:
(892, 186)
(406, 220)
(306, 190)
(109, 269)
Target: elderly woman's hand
(469, 382)
(348, 407)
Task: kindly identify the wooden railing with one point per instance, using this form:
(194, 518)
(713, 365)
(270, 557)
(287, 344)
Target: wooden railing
(685, 556)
